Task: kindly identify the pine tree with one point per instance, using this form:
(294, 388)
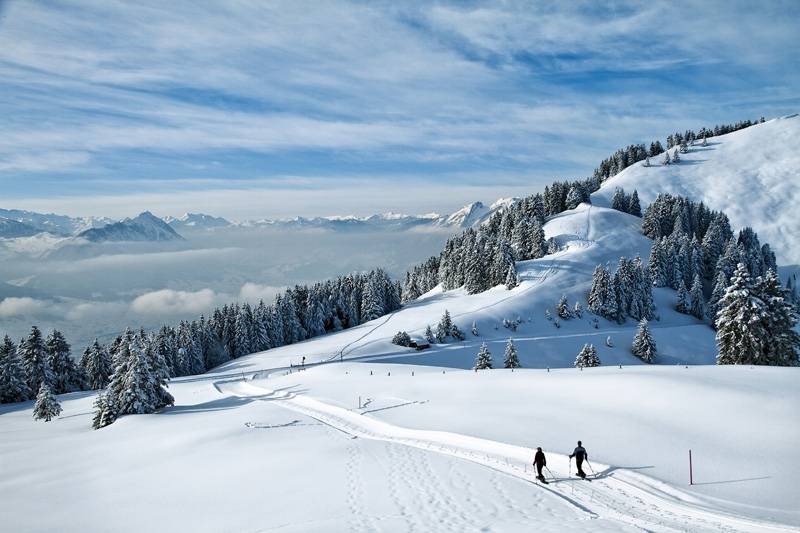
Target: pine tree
(35, 362)
(574, 197)
(740, 330)
(13, 387)
(484, 359)
(644, 347)
(577, 310)
(667, 160)
(538, 241)
(47, 406)
(96, 365)
(475, 328)
(510, 359)
(105, 413)
(619, 201)
(712, 307)
(511, 278)
(696, 299)
(683, 305)
(780, 319)
(676, 158)
(634, 207)
(444, 327)
(429, 334)
(562, 309)
(587, 357)
(66, 375)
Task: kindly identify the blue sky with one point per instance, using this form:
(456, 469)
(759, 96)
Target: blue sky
(252, 109)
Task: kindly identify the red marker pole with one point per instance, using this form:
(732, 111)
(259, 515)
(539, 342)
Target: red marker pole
(691, 481)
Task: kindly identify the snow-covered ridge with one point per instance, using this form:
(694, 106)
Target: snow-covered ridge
(750, 174)
(145, 227)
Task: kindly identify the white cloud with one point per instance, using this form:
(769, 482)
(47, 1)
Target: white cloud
(14, 307)
(253, 292)
(168, 301)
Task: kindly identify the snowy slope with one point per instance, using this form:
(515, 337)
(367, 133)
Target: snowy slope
(751, 175)
(255, 445)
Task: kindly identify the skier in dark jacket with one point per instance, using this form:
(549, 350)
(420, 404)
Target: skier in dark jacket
(540, 461)
(580, 454)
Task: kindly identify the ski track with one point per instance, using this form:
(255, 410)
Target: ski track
(628, 498)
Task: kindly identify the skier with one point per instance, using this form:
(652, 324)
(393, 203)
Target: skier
(580, 454)
(540, 461)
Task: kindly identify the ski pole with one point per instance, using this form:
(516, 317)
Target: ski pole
(570, 466)
(590, 467)
(550, 472)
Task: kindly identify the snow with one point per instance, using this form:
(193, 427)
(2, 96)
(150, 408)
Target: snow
(391, 439)
(750, 174)
(257, 445)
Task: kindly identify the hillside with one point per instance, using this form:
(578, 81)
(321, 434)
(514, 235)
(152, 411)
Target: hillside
(751, 175)
(382, 437)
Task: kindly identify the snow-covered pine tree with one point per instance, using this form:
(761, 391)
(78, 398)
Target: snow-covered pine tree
(46, 407)
(598, 289)
(510, 358)
(676, 158)
(429, 334)
(562, 309)
(587, 357)
(521, 240)
(444, 327)
(740, 329)
(644, 346)
(574, 197)
(401, 338)
(456, 333)
(66, 375)
(697, 302)
(647, 161)
(609, 342)
(577, 310)
(484, 359)
(667, 159)
(683, 305)
(547, 314)
(34, 359)
(96, 365)
(475, 328)
(104, 413)
(705, 142)
(538, 241)
(634, 207)
(261, 317)
(780, 321)
(475, 280)
(712, 307)
(511, 277)
(620, 201)
(13, 387)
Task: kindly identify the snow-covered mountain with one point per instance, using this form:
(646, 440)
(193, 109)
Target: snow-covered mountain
(11, 229)
(61, 225)
(750, 174)
(196, 221)
(145, 227)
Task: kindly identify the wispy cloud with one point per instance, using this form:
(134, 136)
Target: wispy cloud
(216, 91)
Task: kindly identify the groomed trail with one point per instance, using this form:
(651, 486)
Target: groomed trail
(613, 494)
